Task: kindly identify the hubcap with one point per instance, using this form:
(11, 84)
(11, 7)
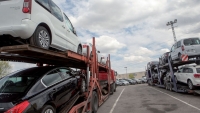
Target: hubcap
(49, 111)
(44, 39)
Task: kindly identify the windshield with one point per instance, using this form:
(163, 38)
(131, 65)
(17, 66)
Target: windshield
(191, 41)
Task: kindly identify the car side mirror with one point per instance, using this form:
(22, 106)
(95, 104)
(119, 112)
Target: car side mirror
(98, 51)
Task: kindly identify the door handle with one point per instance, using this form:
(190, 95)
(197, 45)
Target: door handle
(63, 26)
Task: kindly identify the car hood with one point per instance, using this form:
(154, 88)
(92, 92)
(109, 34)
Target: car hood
(10, 97)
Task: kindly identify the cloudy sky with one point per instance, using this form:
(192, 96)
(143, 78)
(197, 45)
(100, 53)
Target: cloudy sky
(134, 32)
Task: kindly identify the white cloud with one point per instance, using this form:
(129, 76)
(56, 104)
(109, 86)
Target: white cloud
(107, 44)
(137, 58)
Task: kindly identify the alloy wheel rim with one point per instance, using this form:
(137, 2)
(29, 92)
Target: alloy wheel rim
(49, 111)
(44, 38)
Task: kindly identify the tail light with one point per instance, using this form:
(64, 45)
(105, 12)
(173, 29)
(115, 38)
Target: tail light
(84, 46)
(182, 47)
(27, 6)
(196, 75)
(18, 108)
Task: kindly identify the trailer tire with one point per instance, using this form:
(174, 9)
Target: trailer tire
(170, 85)
(95, 102)
(48, 109)
(115, 87)
(83, 86)
(41, 38)
(111, 88)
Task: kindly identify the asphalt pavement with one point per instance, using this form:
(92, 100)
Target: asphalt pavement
(142, 98)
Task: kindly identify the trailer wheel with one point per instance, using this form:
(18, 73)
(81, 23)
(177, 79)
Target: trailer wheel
(48, 109)
(170, 85)
(94, 102)
(41, 38)
(114, 87)
(83, 85)
(111, 88)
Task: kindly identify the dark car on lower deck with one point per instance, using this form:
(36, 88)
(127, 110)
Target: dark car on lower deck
(38, 90)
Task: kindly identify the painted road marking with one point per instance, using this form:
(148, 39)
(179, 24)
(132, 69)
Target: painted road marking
(178, 99)
(116, 101)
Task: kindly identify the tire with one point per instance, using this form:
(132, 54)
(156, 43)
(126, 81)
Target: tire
(111, 89)
(115, 87)
(48, 109)
(83, 85)
(79, 50)
(94, 102)
(41, 38)
(190, 84)
(179, 57)
(170, 85)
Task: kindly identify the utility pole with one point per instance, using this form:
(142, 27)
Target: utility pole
(172, 25)
(126, 71)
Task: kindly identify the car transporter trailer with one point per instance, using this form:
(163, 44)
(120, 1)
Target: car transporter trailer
(170, 83)
(95, 95)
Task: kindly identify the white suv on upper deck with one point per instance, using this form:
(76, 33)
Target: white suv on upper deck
(187, 46)
(36, 22)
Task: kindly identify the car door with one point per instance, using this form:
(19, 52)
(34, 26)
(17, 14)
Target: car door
(72, 38)
(185, 75)
(52, 81)
(57, 20)
(70, 84)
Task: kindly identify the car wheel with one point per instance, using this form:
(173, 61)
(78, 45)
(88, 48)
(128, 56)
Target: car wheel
(48, 109)
(179, 57)
(83, 85)
(94, 102)
(41, 38)
(190, 84)
(79, 50)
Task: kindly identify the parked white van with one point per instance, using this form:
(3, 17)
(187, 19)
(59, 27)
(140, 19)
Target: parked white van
(37, 22)
(187, 46)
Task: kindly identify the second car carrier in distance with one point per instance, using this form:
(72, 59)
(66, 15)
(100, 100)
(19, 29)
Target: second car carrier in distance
(180, 73)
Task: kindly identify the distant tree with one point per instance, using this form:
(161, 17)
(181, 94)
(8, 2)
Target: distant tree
(5, 68)
(131, 76)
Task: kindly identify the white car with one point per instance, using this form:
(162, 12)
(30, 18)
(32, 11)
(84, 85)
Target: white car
(37, 22)
(189, 74)
(187, 46)
(101, 59)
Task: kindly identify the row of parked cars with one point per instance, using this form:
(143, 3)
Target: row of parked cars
(125, 82)
(185, 74)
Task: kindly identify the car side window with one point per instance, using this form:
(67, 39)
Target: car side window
(190, 70)
(172, 48)
(65, 72)
(68, 23)
(175, 45)
(185, 70)
(178, 44)
(44, 3)
(51, 78)
(55, 10)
